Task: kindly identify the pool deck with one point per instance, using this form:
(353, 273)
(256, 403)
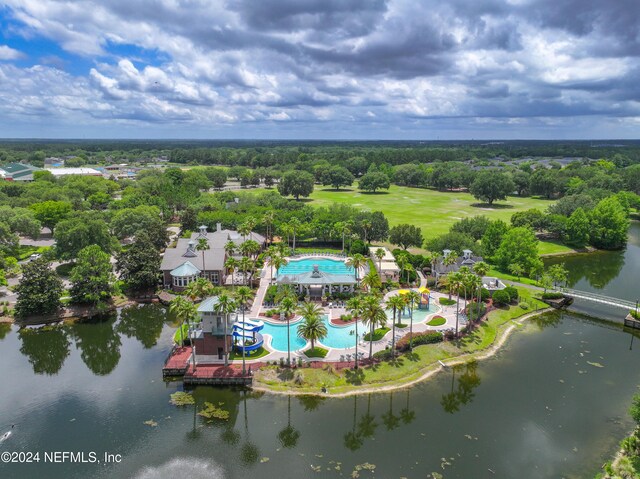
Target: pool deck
(334, 355)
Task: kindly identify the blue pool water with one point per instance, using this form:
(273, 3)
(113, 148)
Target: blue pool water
(337, 337)
(331, 266)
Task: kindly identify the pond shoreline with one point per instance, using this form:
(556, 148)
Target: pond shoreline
(427, 372)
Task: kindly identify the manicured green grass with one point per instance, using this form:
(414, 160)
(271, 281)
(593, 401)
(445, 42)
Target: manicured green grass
(65, 269)
(554, 247)
(401, 325)
(258, 353)
(378, 334)
(25, 251)
(407, 366)
(437, 321)
(185, 333)
(433, 211)
(499, 274)
(316, 352)
(446, 301)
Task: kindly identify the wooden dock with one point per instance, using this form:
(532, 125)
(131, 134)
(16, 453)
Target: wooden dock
(217, 375)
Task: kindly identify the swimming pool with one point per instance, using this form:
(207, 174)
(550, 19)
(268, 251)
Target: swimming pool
(337, 337)
(299, 266)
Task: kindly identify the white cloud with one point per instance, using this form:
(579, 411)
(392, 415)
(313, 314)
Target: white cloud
(8, 53)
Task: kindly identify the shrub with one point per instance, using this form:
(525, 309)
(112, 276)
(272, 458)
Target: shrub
(383, 355)
(270, 295)
(358, 246)
(446, 301)
(449, 334)
(484, 294)
(512, 292)
(552, 295)
(346, 317)
(428, 337)
(634, 314)
(634, 410)
(431, 282)
(524, 305)
(501, 297)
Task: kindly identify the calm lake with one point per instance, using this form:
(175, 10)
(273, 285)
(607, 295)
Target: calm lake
(552, 403)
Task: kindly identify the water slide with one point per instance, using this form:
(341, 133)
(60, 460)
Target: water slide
(248, 333)
(250, 325)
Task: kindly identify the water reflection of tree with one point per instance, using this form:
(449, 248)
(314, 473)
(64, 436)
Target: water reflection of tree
(289, 436)
(406, 414)
(310, 402)
(463, 394)
(4, 330)
(249, 452)
(390, 420)
(546, 320)
(45, 348)
(352, 439)
(99, 345)
(598, 269)
(143, 323)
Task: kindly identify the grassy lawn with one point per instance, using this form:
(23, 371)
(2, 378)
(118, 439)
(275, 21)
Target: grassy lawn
(437, 321)
(433, 211)
(25, 251)
(258, 353)
(185, 333)
(407, 366)
(499, 274)
(446, 301)
(553, 247)
(64, 269)
(318, 250)
(316, 352)
(378, 334)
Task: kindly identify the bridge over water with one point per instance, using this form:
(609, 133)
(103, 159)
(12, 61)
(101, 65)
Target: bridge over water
(598, 298)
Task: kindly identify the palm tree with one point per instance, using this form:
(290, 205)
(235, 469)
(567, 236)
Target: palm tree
(366, 226)
(475, 283)
(286, 229)
(450, 259)
(312, 328)
(232, 265)
(413, 299)
(295, 224)
(270, 253)
(408, 267)
(245, 229)
(199, 289)
(481, 269)
(372, 281)
(249, 248)
(380, 254)
(203, 245)
(230, 248)
(243, 294)
(268, 219)
(225, 306)
(395, 303)
(287, 305)
(245, 265)
(278, 262)
(372, 315)
(354, 306)
(456, 283)
(184, 310)
(466, 273)
(356, 262)
(433, 258)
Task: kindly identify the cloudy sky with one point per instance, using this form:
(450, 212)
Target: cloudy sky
(320, 69)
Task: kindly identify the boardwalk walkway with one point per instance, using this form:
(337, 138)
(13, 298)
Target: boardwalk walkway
(598, 298)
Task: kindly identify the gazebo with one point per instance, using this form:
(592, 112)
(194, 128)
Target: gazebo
(317, 283)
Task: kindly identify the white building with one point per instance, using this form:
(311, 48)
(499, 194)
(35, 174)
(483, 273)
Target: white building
(387, 268)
